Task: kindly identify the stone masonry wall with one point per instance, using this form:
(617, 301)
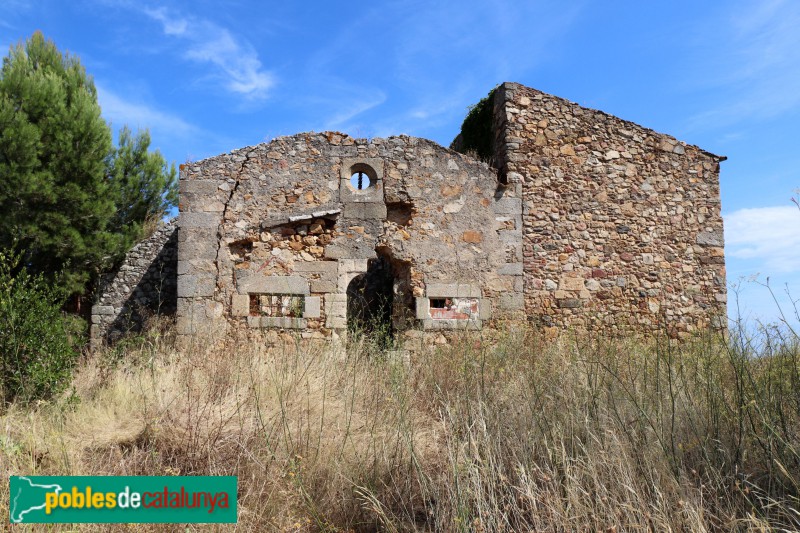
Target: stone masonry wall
(589, 221)
(145, 284)
(622, 225)
(282, 218)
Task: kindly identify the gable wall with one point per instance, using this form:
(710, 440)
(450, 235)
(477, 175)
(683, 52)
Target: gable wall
(622, 225)
(282, 213)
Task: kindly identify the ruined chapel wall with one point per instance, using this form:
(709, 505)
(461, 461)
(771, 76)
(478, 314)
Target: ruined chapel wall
(282, 213)
(622, 225)
(143, 285)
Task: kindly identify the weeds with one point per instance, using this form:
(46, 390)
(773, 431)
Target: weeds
(513, 433)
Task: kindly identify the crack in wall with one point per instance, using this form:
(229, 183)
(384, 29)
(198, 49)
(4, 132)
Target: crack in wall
(221, 225)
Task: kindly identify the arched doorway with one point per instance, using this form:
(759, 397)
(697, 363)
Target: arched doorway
(370, 297)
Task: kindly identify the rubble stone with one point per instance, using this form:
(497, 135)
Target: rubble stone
(583, 220)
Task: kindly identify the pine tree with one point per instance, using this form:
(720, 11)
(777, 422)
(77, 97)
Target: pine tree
(54, 195)
(145, 186)
(70, 203)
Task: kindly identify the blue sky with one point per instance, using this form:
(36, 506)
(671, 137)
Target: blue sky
(724, 75)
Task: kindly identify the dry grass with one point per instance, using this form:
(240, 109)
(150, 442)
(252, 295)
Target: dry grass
(512, 434)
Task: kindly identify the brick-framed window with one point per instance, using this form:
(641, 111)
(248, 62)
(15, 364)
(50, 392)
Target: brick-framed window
(452, 305)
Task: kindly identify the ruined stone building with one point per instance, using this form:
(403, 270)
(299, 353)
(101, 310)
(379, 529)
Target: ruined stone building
(569, 218)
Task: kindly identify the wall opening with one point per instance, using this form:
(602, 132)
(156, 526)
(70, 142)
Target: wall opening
(370, 299)
(276, 305)
(362, 176)
(360, 181)
(401, 213)
(454, 308)
(439, 303)
(403, 303)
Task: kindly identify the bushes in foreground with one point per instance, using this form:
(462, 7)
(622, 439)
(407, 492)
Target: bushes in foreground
(508, 434)
(37, 342)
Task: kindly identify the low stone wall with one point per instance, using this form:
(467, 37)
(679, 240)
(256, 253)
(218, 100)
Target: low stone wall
(144, 285)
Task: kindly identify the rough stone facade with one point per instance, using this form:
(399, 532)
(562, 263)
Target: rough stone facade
(144, 285)
(583, 220)
(622, 226)
(433, 240)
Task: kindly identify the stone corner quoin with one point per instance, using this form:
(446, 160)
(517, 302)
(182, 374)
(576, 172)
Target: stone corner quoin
(584, 221)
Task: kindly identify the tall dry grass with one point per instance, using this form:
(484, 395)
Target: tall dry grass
(513, 433)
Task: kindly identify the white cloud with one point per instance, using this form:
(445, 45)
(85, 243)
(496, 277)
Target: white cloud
(767, 237)
(236, 63)
(138, 115)
(172, 26)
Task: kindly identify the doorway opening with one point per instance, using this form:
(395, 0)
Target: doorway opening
(370, 297)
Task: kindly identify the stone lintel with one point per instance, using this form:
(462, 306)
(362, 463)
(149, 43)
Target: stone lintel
(328, 267)
(452, 290)
(263, 284)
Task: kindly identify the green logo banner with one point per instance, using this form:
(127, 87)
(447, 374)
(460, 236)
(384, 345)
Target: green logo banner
(122, 499)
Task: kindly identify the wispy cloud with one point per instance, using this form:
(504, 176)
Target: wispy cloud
(342, 119)
(171, 25)
(17, 5)
(235, 62)
(767, 237)
(121, 111)
(433, 58)
(758, 75)
(489, 40)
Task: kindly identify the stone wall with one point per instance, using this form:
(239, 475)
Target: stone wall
(283, 220)
(145, 284)
(589, 221)
(622, 225)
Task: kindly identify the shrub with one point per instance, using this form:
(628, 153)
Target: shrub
(37, 342)
(476, 130)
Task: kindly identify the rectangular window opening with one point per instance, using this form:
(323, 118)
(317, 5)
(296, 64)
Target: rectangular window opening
(277, 305)
(453, 308)
(438, 303)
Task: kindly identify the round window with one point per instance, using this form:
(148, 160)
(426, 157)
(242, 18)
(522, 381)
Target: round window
(360, 180)
(362, 177)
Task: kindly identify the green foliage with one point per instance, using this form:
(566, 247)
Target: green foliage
(53, 144)
(144, 185)
(476, 130)
(71, 203)
(37, 342)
